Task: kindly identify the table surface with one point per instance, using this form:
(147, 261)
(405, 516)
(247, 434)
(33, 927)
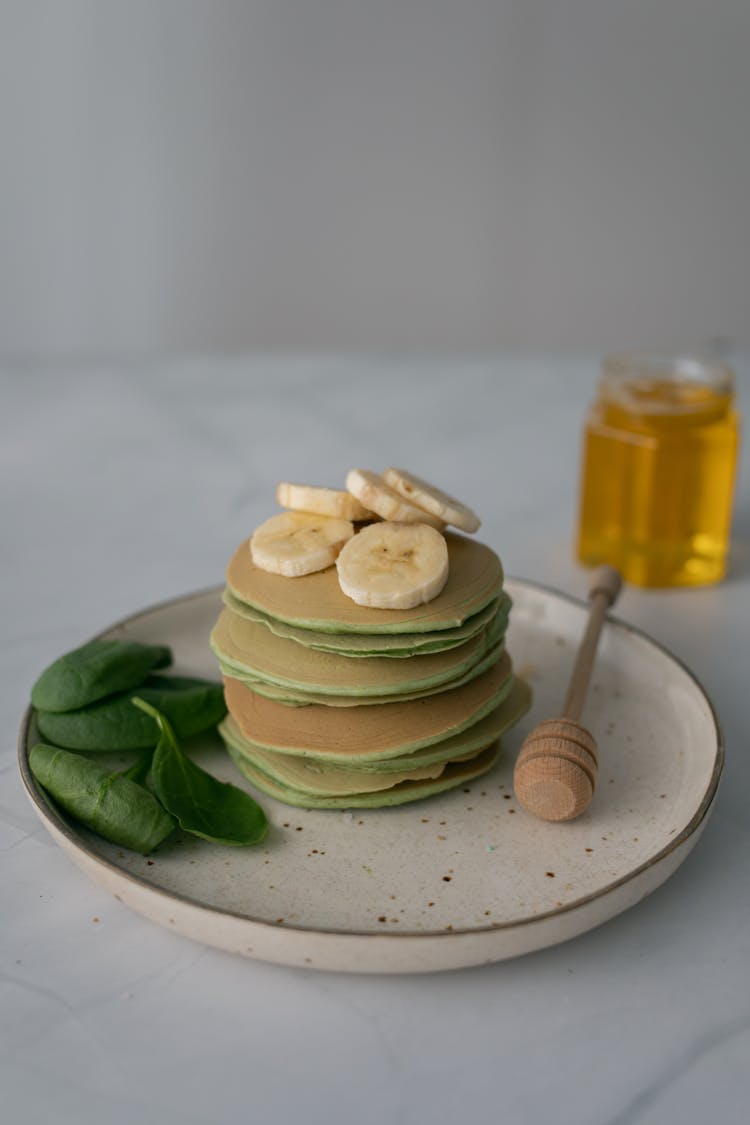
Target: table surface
(126, 485)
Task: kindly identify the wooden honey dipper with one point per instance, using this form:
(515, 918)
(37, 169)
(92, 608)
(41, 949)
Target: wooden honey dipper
(555, 774)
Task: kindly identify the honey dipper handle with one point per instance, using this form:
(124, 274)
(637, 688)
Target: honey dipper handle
(603, 591)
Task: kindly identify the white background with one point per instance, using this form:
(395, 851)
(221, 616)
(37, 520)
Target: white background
(436, 175)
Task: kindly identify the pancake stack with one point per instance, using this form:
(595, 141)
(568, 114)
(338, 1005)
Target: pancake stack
(334, 704)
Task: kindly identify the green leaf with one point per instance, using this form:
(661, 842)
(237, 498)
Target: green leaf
(140, 769)
(95, 670)
(202, 805)
(110, 804)
(191, 706)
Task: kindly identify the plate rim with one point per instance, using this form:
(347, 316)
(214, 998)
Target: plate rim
(50, 817)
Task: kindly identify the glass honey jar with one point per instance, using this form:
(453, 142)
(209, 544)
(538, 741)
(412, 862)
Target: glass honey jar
(659, 456)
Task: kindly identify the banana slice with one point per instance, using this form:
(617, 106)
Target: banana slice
(295, 543)
(376, 495)
(322, 501)
(393, 565)
(431, 499)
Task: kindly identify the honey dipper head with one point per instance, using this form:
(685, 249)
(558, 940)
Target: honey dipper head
(555, 774)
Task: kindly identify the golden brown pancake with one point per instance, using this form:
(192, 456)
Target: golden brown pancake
(316, 601)
(370, 732)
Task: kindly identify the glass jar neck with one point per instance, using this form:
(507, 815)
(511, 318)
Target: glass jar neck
(654, 392)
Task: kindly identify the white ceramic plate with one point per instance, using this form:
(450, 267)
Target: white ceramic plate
(456, 880)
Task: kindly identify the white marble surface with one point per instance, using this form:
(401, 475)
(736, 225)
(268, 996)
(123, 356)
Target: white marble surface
(122, 486)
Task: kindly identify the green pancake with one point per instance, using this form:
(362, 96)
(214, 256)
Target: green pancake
(363, 645)
(454, 748)
(257, 653)
(316, 601)
(363, 734)
(295, 697)
(321, 779)
(454, 774)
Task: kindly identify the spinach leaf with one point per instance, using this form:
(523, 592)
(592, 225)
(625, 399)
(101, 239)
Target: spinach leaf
(96, 670)
(140, 769)
(191, 706)
(111, 804)
(202, 805)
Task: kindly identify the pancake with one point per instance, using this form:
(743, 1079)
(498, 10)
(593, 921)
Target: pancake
(322, 779)
(454, 775)
(316, 601)
(456, 747)
(367, 733)
(363, 645)
(260, 654)
(295, 697)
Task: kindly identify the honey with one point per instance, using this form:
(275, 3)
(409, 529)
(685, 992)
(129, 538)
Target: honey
(659, 456)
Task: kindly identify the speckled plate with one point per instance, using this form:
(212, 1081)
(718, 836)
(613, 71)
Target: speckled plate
(460, 879)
